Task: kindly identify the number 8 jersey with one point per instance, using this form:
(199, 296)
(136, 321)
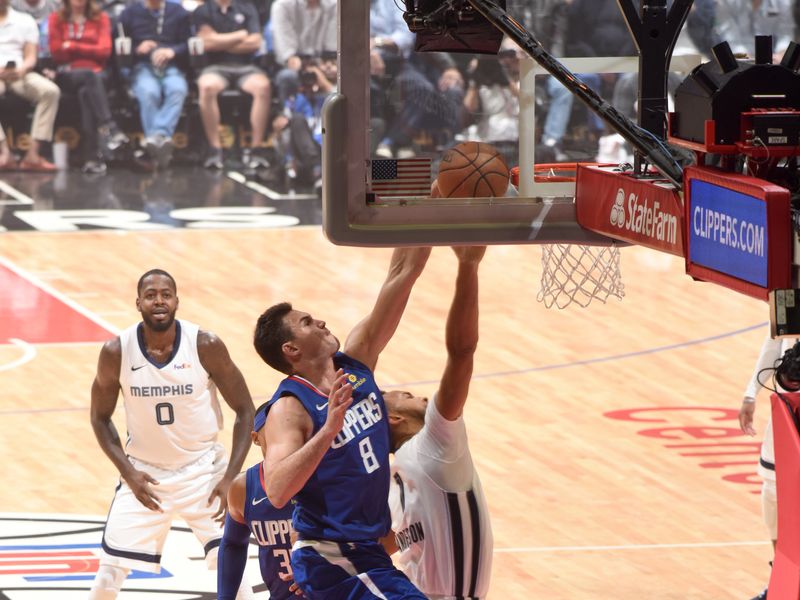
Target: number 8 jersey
(346, 499)
(171, 409)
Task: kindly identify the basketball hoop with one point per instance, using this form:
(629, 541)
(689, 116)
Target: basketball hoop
(574, 273)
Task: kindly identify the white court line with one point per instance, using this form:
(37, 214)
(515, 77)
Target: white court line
(19, 197)
(28, 352)
(265, 191)
(65, 345)
(542, 549)
(62, 297)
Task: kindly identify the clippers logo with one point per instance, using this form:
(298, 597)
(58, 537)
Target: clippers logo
(644, 219)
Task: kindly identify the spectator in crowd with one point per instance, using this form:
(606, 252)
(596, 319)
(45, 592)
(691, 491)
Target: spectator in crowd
(231, 36)
(492, 97)
(19, 38)
(159, 31)
(300, 29)
(739, 21)
(38, 9)
(80, 44)
(299, 126)
(593, 28)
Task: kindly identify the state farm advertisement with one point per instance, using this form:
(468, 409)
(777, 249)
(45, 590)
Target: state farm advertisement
(644, 212)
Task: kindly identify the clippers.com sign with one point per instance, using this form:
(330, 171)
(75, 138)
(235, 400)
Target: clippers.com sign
(647, 213)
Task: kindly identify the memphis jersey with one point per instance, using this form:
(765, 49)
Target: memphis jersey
(345, 499)
(272, 529)
(172, 411)
(439, 513)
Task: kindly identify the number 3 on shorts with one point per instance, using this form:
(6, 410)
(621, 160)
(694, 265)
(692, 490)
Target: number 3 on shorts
(368, 456)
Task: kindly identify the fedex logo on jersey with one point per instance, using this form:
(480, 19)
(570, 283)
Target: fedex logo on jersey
(359, 417)
(182, 366)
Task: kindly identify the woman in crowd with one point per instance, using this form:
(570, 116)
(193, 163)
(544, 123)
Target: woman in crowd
(80, 43)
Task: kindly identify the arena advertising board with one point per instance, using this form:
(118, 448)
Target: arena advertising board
(640, 211)
(739, 231)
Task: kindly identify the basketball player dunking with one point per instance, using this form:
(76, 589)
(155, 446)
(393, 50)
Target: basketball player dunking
(168, 371)
(249, 510)
(439, 514)
(328, 442)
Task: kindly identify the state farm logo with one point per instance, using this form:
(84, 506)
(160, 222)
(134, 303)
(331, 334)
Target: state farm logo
(618, 210)
(644, 218)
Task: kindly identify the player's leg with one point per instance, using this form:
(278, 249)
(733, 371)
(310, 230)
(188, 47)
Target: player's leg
(196, 483)
(133, 536)
(769, 493)
(353, 571)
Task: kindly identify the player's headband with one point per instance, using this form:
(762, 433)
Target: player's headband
(261, 417)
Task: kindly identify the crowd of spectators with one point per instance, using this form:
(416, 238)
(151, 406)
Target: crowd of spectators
(281, 57)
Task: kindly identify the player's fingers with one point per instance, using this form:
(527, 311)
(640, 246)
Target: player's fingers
(150, 479)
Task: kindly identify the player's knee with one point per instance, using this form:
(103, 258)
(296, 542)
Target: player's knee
(108, 582)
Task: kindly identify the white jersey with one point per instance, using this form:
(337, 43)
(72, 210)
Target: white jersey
(772, 350)
(172, 410)
(439, 514)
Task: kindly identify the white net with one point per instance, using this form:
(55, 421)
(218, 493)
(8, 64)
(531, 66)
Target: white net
(575, 274)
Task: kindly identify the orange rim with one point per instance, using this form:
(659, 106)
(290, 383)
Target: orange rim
(554, 172)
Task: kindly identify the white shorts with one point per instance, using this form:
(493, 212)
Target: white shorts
(134, 535)
(766, 462)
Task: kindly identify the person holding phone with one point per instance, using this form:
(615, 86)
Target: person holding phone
(19, 40)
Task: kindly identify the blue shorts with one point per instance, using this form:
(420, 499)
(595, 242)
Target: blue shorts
(349, 571)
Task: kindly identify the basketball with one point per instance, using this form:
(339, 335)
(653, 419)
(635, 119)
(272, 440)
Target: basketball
(472, 170)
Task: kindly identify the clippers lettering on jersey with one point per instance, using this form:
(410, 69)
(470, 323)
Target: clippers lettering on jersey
(358, 419)
(410, 535)
(272, 533)
(155, 391)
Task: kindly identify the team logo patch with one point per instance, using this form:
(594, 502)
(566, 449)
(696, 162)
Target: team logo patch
(43, 557)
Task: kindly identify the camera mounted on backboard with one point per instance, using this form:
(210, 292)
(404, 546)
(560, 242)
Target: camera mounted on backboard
(787, 373)
(451, 26)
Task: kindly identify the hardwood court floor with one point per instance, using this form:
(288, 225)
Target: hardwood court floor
(584, 505)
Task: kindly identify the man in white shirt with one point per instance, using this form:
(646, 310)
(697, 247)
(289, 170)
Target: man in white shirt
(19, 40)
(440, 518)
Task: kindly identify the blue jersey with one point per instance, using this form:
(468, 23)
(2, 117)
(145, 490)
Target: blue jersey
(271, 528)
(346, 499)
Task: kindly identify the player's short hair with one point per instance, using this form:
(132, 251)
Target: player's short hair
(140, 285)
(271, 334)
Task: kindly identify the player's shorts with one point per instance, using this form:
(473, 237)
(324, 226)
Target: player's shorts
(134, 535)
(766, 462)
(327, 570)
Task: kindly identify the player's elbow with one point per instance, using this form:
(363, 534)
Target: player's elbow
(462, 349)
(278, 500)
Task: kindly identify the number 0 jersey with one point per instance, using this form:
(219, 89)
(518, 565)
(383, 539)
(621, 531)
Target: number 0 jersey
(272, 529)
(345, 500)
(439, 513)
(172, 411)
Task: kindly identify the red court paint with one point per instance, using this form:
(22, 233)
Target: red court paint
(32, 312)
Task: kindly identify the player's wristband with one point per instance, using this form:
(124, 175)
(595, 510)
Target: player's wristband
(748, 400)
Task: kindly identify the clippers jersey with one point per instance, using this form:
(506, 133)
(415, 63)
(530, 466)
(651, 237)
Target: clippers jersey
(271, 528)
(439, 513)
(172, 411)
(345, 499)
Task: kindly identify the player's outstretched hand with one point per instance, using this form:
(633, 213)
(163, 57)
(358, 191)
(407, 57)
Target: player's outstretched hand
(220, 492)
(294, 588)
(469, 254)
(339, 401)
(140, 482)
(746, 413)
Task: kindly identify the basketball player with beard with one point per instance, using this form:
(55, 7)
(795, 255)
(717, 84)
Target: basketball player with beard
(172, 465)
(440, 519)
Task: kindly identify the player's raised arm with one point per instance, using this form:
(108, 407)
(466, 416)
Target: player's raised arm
(229, 380)
(461, 334)
(368, 339)
(105, 390)
(293, 453)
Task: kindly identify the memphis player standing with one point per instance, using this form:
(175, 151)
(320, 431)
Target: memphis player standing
(249, 510)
